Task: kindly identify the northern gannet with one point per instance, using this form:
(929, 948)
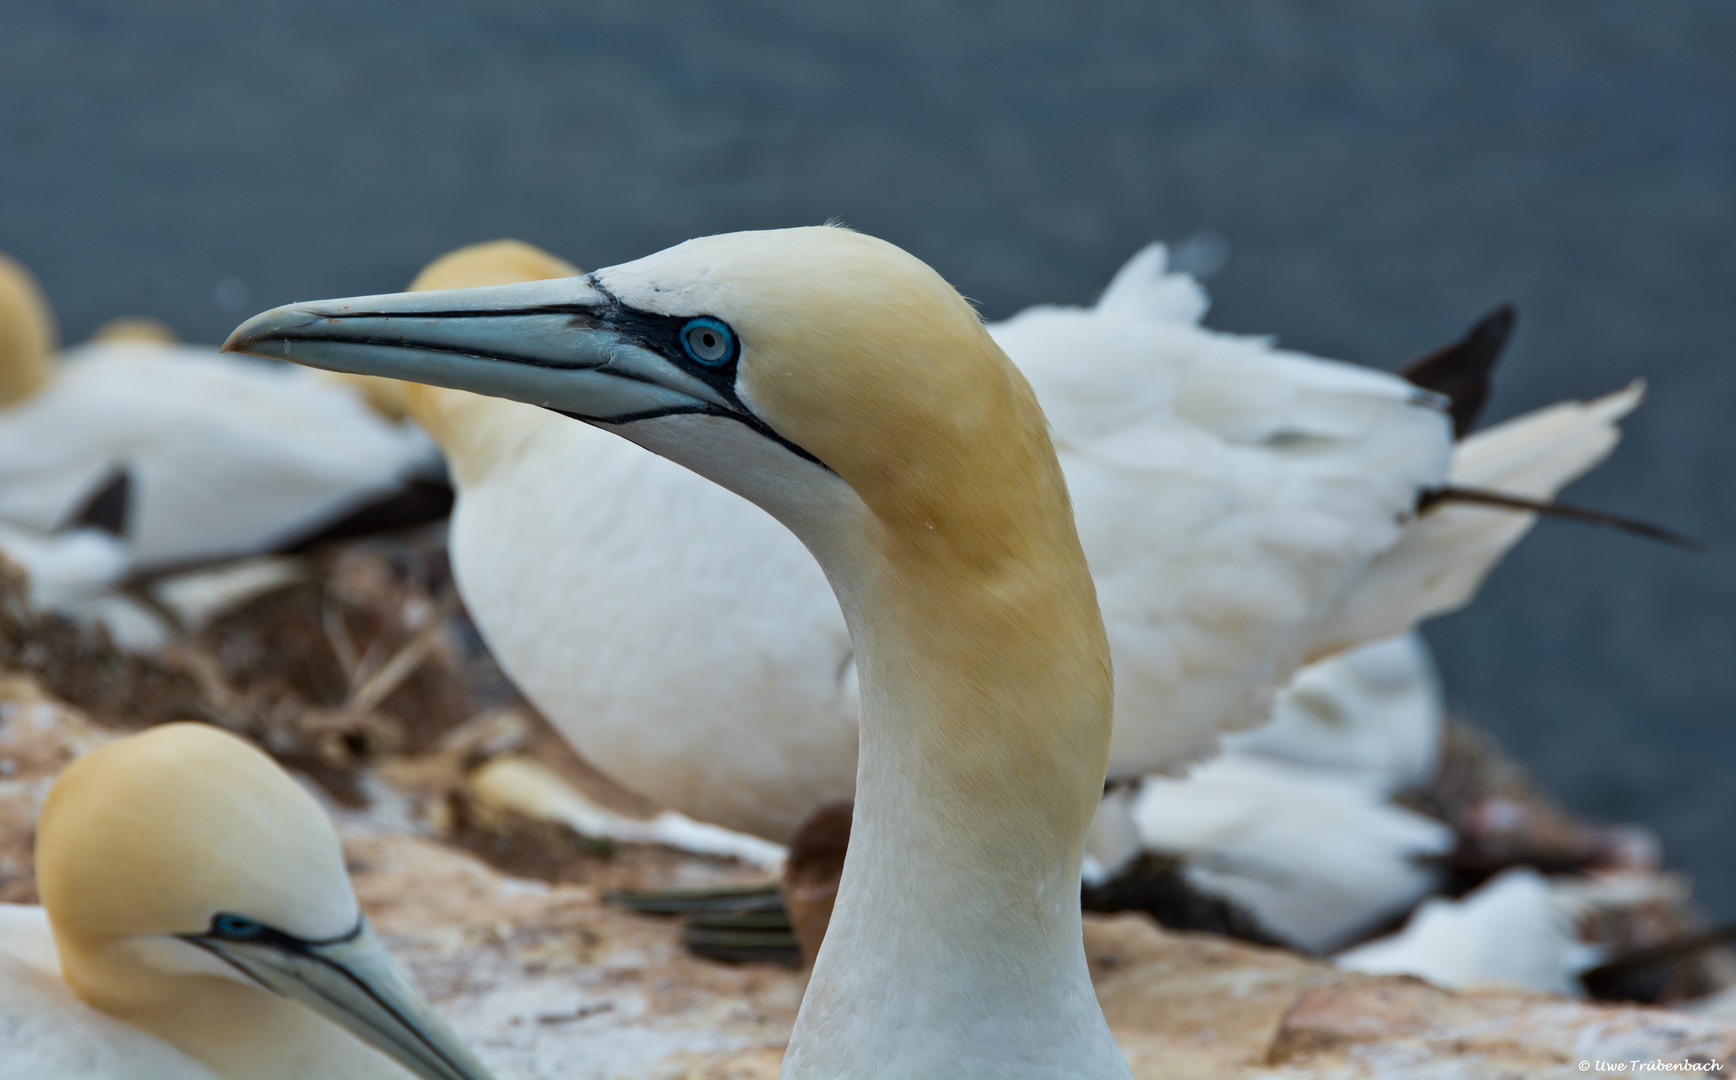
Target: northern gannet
(1243, 509)
(197, 923)
(844, 387)
(183, 455)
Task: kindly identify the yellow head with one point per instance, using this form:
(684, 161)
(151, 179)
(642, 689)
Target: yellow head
(864, 357)
(179, 861)
(850, 391)
(26, 334)
(155, 835)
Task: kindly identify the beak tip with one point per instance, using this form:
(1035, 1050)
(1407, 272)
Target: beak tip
(266, 327)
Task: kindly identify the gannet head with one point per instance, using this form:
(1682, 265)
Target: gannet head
(846, 388)
(26, 334)
(183, 852)
(757, 359)
(136, 330)
(493, 262)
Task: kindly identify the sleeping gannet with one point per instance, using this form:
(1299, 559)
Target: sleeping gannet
(1242, 508)
(197, 922)
(181, 454)
(845, 388)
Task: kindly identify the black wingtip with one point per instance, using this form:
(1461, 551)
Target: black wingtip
(1584, 514)
(416, 502)
(108, 509)
(1461, 371)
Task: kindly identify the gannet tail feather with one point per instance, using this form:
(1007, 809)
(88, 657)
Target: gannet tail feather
(1570, 511)
(1446, 552)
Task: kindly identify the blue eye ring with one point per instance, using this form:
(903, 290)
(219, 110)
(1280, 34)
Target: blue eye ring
(707, 341)
(234, 926)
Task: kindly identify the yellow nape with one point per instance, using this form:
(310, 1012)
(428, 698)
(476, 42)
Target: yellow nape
(384, 396)
(136, 330)
(26, 334)
(460, 422)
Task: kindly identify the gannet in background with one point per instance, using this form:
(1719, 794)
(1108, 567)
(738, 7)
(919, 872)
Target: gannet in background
(26, 334)
(197, 922)
(1515, 930)
(181, 454)
(1235, 501)
(840, 384)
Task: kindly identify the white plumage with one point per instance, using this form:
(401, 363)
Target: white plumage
(1373, 714)
(1516, 930)
(1227, 493)
(224, 457)
(1444, 554)
(1293, 822)
(74, 573)
(1315, 856)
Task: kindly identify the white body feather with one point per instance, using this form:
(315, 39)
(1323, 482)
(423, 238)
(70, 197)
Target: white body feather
(1315, 856)
(225, 457)
(1372, 715)
(1229, 505)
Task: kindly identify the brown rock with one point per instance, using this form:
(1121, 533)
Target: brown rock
(1188, 1005)
(547, 980)
(1398, 1028)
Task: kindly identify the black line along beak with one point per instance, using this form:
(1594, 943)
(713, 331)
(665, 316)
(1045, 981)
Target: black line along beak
(547, 343)
(352, 981)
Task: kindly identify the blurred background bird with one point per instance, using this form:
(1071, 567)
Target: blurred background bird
(197, 923)
(133, 454)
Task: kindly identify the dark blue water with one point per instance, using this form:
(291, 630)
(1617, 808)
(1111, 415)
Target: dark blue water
(1382, 174)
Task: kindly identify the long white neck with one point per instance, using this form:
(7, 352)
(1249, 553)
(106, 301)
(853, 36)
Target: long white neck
(955, 947)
